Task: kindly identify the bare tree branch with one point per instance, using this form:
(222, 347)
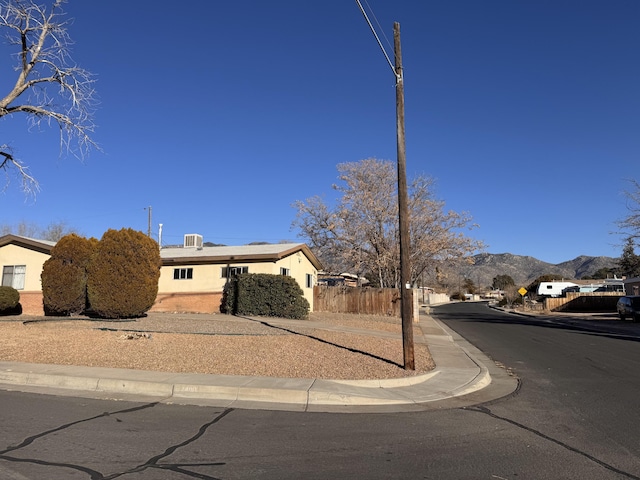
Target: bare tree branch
(49, 87)
(30, 185)
(631, 223)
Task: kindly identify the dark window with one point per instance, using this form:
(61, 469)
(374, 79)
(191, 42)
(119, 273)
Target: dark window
(230, 272)
(285, 271)
(309, 280)
(182, 273)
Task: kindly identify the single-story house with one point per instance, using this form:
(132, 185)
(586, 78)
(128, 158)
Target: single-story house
(21, 259)
(192, 276)
(632, 286)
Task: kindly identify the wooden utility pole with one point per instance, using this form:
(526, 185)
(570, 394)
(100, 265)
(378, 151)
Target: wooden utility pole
(149, 222)
(403, 213)
(406, 300)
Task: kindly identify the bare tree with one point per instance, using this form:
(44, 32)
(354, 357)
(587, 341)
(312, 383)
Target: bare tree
(361, 232)
(52, 232)
(49, 87)
(631, 223)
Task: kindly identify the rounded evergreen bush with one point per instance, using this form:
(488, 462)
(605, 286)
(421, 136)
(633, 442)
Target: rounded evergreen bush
(64, 275)
(9, 301)
(266, 295)
(123, 274)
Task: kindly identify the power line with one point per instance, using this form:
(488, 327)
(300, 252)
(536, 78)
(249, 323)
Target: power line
(373, 30)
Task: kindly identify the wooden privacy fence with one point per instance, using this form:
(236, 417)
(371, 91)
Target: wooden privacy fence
(584, 302)
(371, 301)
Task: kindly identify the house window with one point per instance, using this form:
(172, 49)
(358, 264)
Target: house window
(309, 280)
(230, 272)
(13, 276)
(285, 271)
(182, 273)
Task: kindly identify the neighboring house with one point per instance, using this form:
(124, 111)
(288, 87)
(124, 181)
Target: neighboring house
(192, 277)
(632, 286)
(21, 260)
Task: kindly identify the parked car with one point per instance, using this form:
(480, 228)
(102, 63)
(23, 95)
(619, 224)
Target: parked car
(629, 306)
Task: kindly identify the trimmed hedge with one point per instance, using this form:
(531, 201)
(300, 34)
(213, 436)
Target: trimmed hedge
(64, 275)
(261, 294)
(9, 301)
(123, 274)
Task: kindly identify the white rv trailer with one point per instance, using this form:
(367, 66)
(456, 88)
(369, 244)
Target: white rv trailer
(554, 289)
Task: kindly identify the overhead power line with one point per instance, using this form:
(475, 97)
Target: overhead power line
(373, 30)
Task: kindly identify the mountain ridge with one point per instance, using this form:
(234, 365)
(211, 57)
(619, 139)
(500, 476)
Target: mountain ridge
(525, 269)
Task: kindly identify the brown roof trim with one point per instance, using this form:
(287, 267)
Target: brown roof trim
(41, 246)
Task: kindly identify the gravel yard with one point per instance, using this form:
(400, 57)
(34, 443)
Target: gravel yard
(218, 344)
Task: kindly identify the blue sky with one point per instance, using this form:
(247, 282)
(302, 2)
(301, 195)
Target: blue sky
(220, 114)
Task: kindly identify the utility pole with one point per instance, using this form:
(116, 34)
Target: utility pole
(149, 222)
(403, 213)
(406, 300)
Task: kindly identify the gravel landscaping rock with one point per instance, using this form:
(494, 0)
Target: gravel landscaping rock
(219, 344)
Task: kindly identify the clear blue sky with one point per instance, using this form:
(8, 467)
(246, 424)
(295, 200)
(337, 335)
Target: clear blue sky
(220, 114)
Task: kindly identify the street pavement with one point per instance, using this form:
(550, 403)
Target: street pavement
(463, 376)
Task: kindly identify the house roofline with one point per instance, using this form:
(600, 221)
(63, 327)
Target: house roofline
(42, 246)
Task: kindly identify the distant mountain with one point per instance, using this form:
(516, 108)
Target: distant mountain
(525, 269)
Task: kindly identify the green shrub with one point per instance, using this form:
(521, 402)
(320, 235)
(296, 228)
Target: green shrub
(9, 301)
(64, 275)
(123, 274)
(266, 295)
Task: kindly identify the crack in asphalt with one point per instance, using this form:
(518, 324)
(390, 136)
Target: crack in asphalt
(487, 411)
(153, 462)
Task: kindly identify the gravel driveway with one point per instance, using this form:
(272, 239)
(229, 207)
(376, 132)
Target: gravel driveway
(219, 344)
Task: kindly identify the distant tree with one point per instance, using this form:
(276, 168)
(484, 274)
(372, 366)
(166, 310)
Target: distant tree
(55, 231)
(52, 232)
(631, 223)
(207, 244)
(511, 295)
(629, 262)
(469, 286)
(23, 229)
(123, 274)
(601, 273)
(64, 275)
(501, 282)
(49, 87)
(360, 234)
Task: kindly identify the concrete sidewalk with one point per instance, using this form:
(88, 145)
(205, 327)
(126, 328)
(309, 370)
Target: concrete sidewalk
(463, 376)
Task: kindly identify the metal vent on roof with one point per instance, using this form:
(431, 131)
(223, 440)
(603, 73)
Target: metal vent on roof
(193, 240)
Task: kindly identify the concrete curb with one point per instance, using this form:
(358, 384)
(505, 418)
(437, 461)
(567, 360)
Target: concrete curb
(460, 371)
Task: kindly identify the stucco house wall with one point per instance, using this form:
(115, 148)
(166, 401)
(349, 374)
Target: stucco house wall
(192, 279)
(30, 253)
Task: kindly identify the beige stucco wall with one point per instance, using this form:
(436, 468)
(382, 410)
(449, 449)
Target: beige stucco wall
(208, 278)
(16, 255)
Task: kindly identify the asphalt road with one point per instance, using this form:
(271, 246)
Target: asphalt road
(575, 416)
